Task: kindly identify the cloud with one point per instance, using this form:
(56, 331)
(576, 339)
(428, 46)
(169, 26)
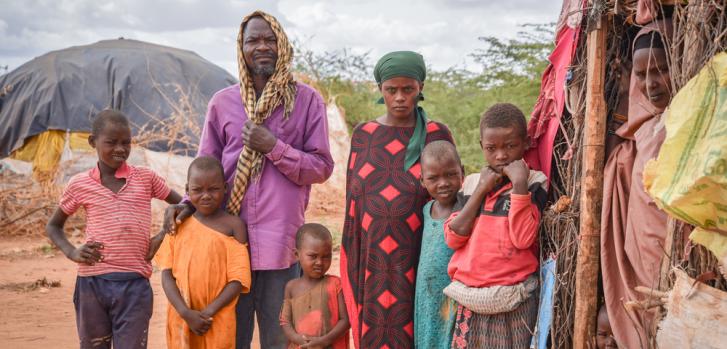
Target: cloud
(445, 31)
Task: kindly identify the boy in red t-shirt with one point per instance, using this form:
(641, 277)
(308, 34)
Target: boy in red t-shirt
(494, 238)
(113, 297)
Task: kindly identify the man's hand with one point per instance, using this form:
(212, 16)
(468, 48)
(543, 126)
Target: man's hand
(88, 253)
(198, 323)
(518, 172)
(174, 215)
(258, 137)
(488, 179)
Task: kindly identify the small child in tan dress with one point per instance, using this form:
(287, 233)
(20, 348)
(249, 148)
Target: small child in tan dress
(205, 265)
(314, 314)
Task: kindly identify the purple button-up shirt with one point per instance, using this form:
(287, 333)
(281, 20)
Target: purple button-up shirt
(274, 205)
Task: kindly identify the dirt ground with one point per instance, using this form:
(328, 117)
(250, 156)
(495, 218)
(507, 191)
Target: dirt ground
(34, 314)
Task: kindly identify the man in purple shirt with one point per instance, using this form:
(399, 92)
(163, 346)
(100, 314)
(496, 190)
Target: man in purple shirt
(296, 154)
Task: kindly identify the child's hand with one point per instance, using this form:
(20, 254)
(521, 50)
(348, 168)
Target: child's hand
(88, 253)
(518, 173)
(198, 323)
(300, 339)
(488, 179)
(315, 342)
(206, 313)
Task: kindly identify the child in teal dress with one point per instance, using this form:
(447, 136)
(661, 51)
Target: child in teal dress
(442, 177)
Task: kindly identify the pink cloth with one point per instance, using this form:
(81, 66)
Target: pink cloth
(646, 11)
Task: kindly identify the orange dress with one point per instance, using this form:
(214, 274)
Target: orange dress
(315, 312)
(203, 261)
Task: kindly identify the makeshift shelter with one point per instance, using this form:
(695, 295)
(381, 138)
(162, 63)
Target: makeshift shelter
(50, 100)
(578, 93)
(46, 110)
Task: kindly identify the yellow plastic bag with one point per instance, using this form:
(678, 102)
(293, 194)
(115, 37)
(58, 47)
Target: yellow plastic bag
(688, 180)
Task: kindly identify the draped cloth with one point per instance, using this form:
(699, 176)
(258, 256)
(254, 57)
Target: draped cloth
(633, 229)
(280, 88)
(548, 110)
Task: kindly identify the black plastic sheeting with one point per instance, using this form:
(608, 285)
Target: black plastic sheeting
(63, 90)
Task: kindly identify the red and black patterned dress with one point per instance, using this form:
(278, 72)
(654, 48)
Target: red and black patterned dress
(382, 234)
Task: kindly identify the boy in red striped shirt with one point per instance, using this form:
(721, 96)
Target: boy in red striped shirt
(113, 297)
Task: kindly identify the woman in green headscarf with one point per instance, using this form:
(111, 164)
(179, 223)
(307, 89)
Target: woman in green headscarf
(384, 200)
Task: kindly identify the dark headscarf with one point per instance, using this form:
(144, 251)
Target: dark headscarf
(406, 64)
(653, 35)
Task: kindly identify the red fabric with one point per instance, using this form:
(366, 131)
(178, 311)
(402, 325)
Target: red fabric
(314, 313)
(500, 249)
(548, 110)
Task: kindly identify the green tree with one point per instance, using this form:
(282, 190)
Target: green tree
(522, 57)
(510, 71)
(341, 76)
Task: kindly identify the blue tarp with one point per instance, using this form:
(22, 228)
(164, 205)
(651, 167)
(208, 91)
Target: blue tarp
(545, 310)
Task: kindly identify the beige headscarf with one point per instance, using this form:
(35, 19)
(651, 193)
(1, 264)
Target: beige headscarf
(280, 88)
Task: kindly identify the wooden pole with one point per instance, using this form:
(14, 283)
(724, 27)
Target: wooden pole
(587, 266)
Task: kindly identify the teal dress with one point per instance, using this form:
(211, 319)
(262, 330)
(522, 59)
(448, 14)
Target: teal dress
(433, 320)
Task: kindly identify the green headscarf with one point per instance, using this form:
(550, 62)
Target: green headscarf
(406, 64)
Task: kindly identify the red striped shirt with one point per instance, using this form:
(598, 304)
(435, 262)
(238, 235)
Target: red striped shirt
(120, 221)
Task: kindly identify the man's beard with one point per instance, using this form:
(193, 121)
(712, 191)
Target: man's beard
(264, 70)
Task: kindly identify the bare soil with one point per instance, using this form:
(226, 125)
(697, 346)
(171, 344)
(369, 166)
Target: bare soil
(36, 292)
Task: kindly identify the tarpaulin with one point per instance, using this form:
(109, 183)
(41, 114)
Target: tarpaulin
(63, 89)
(545, 309)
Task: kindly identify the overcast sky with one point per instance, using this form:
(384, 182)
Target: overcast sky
(444, 31)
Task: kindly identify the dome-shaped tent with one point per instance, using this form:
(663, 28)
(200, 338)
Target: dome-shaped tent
(57, 94)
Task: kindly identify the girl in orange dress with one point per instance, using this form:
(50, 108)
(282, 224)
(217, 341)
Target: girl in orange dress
(205, 265)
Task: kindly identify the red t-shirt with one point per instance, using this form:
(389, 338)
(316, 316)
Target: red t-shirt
(120, 221)
(502, 249)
